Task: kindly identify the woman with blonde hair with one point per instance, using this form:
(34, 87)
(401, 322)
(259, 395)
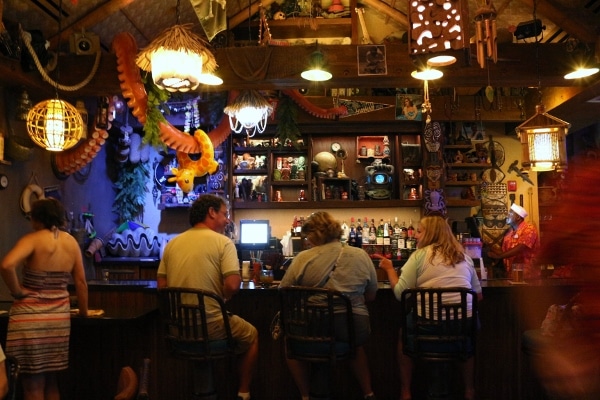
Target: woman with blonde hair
(439, 261)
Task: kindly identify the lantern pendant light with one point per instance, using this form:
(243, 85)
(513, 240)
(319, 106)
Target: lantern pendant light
(543, 141)
(55, 125)
(543, 136)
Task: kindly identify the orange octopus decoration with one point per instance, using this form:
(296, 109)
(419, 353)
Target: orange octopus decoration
(189, 169)
(133, 90)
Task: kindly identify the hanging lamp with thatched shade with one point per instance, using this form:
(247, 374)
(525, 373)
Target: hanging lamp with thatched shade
(249, 110)
(178, 59)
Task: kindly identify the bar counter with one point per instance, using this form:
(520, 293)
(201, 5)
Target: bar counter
(129, 331)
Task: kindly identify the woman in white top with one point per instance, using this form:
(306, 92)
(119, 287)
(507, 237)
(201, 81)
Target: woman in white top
(439, 261)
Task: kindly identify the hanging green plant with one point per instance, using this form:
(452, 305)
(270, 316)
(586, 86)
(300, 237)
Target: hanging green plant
(131, 191)
(157, 98)
(287, 126)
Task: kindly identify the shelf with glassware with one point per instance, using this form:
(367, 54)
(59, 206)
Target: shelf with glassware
(333, 188)
(411, 178)
(334, 172)
(465, 164)
(290, 175)
(169, 195)
(263, 171)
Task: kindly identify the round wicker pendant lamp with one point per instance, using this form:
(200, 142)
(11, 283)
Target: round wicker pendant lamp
(54, 125)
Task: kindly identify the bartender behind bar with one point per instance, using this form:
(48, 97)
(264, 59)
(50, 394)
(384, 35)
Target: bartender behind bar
(519, 244)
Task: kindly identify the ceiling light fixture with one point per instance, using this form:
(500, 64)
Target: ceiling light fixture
(316, 71)
(249, 111)
(177, 58)
(582, 72)
(543, 137)
(55, 125)
(441, 61)
(428, 74)
(210, 79)
(585, 62)
(543, 141)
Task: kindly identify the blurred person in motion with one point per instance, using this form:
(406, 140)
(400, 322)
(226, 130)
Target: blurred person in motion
(202, 257)
(568, 362)
(39, 323)
(439, 261)
(347, 269)
(520, 243)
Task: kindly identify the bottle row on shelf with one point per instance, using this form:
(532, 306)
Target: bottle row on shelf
(393, 241)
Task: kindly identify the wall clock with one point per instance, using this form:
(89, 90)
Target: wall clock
(335, 146)
(3, 181)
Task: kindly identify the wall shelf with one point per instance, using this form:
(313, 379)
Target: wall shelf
(469, 165)
(300, 27)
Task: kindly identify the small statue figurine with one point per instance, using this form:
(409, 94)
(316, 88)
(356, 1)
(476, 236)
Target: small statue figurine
(386, 146)
(459, 157)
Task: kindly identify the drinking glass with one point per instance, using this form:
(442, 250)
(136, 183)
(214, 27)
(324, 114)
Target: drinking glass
(266, 278)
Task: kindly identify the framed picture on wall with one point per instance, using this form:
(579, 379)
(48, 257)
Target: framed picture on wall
(371, 60)
(408, 107)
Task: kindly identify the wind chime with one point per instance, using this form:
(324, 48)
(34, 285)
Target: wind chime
(485, 33)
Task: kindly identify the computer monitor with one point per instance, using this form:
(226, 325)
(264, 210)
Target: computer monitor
(254, 234)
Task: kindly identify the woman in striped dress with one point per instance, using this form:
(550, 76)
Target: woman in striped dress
(39, 321)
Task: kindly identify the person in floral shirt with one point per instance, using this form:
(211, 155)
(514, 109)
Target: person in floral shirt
(519, 244)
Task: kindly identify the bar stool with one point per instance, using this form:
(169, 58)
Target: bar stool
(184, 317)
(438, 332)
(308, 326)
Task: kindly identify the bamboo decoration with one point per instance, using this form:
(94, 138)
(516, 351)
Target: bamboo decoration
(485, 34)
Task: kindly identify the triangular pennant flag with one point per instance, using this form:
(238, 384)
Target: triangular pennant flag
(360, 107)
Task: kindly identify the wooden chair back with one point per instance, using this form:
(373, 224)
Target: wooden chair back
(184, 319)
(439, 323)
(309, 326)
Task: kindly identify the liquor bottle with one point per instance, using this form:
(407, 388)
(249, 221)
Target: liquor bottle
(352, 235)
(404, 231)
(410, 229)
(379, 237)
(102, 113)
(387, 252)
(395, 235)
(345, 232)
(299, 226)
(359, 233)
(412, 244)
(295, 226)
(372, 232)
(386, 234)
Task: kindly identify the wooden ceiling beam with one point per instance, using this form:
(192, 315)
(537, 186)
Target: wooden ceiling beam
(561, 19)
(284, 64)
(388, 11)
(93, 18)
